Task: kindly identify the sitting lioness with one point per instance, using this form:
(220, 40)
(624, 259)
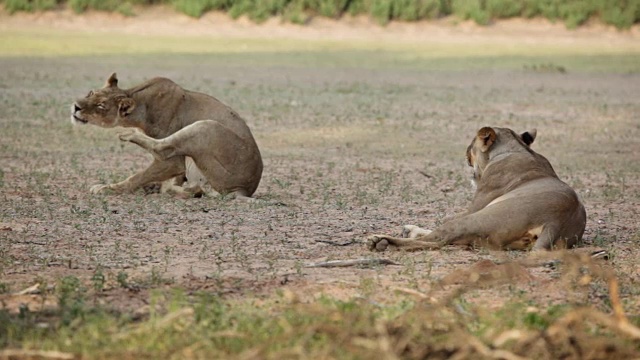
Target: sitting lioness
(519, 202)
(190, 135)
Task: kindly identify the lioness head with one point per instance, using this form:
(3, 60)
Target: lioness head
(105, 107)
(491, 142)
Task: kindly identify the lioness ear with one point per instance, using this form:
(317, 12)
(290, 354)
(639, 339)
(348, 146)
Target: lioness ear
(529, 136)
(486, 137)
(126, 106)
(112, 81)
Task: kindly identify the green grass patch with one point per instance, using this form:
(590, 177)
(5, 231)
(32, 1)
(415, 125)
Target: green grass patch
(367, 54)
(202, 325)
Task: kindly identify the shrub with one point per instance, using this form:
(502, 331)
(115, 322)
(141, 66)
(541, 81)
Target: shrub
(445, 7)
(620, 13)
(500, 9)
(357, 7)
(80, 6)
(193, 8)
(13, 6)
(380, 10)
(412, 10)
(530, 8)
(264, 9)
(621, 16)
(196, 8)
(548, 9)
(125, 9)
(471, 9)
(240, 7)
(259, 10)
(575, 12)
(295, 13)
(332, 8)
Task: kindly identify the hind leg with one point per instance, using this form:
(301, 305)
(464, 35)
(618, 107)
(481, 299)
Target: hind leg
(200, 138)
(478, 229)
(160, 149)
(227, 161)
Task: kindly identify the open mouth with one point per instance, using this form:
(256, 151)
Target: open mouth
(79, 119)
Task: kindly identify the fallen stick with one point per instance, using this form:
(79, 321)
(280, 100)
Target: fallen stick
(330, 242)
(354, 262)
(34, 289)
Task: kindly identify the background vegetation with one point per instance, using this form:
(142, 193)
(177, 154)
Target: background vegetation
(620, 13)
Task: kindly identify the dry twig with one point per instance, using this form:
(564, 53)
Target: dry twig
(353, 262)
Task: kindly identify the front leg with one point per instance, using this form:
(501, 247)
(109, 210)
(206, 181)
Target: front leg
(381, 242)
(158, 171)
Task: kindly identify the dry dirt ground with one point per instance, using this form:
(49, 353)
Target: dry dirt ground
(348, 151)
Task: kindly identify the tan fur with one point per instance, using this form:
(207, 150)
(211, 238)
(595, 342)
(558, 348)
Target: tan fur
(188, 133)
(520, 203)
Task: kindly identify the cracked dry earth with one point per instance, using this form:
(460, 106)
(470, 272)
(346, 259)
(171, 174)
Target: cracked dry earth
(349, 152)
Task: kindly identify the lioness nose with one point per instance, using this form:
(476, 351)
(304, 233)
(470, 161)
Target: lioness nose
(76, 108)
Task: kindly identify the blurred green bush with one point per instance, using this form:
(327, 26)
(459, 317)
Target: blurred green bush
(13, 6)
(620, 13)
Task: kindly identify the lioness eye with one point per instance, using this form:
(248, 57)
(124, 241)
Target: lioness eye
(90, 93)
(101, 106)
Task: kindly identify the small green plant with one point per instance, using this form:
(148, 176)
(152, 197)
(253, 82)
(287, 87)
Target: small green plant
(283, 184)
(122, 279)
(156, 278)
(98, 279)
(71, 297)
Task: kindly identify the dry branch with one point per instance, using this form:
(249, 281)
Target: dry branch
(335, 243)
(353, 262)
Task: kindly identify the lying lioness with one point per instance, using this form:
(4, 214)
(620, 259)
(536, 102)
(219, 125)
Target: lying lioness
(519, 202)
(189, 134)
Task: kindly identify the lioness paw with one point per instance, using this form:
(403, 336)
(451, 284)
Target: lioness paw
(100, 189)
(128, 134)
(377, 243)
(412, 231)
